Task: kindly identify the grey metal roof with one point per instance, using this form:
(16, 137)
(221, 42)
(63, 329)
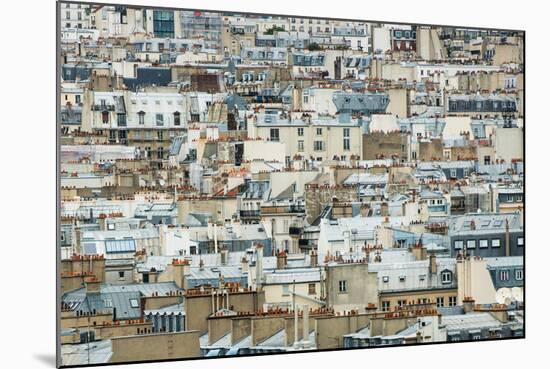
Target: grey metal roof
(470, 321)
(97, 352)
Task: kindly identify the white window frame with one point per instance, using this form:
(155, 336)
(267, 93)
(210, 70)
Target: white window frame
(483, 244)
(495, 242)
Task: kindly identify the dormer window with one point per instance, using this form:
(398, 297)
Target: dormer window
(446, 277)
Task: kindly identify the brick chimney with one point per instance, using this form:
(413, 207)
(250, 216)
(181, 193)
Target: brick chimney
(433, 263)
(244, 264)
(281, 260)
(224, 253)
(180, 268)
(313, 259)
(419, 252)
(468, 304)
(153, 275)
(507, 238)
(93, 285)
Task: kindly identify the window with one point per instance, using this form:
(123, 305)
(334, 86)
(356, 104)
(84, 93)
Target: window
(453, 173)
(286, 290)
(105, 117)
(519, 274)
(385, 305)
(385, 279)
(121, 119)
(311, 289)
(159, 119)
(459, 244)
(108, 303)
(452, 300)
(342, 287)
(495, 242)
(471, 244)
(446, 277)
(300, 145)
(121, 275)
(440, 301)
(274, 134)
(401, 303)
(177, 118)
(300, 131)
(504, 275)
(160, 135)
(520, 241)
(141, 118)
(134, 303)
(318, 146)
(319, 131)
(346, 139)
(483, 244)
(402, 278)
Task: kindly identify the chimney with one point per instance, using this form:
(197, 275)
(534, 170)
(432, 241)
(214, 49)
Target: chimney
(244, 265)
(153, 275)
(433, 264)
(296, 339)
(468, 304)
(305, 329)
(313, 259)
(224, 253)
(281, 260)
(93, 285)
(507, 238)
(259, 265)
(215, 238)
(419, 252)
(181, 268)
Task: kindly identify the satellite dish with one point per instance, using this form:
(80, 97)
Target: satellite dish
(517, 294)
(504, 296)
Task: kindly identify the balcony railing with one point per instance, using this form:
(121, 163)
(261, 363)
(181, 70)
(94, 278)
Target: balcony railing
(283, 209)
(250, 214)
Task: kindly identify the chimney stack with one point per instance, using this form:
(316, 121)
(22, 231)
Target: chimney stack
(259, 265)
(281, 260)
(93, 285)
(153, 275)
(507, 238)
(468, 304)
(433, 263)
(313, 259)
(244, 265)
(224, 252)
(305, 329)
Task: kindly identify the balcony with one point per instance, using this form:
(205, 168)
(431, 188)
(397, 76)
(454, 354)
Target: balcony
(100, 107)
(250, 214)
(295, 231)
(287, 209)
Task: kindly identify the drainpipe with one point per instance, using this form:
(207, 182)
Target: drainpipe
(507, 238)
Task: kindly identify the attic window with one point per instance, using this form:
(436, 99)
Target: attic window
(385, 279)
(108, 303)
(134, 303)
(446, 277)
(402, 278)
